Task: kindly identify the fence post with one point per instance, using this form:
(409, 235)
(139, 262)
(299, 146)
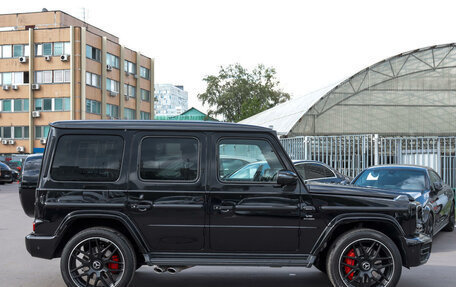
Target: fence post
(306, 140)
(376, 154)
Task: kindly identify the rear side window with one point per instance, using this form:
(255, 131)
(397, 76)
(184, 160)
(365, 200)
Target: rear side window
(87, 158)
(169, 158)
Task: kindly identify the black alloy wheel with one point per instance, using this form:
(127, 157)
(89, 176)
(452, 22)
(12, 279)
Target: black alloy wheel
(364, 258)
(98, 257)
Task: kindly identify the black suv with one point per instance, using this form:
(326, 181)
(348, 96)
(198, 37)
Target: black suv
(115, 195)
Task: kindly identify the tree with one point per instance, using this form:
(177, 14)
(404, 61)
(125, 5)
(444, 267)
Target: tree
(236, 94)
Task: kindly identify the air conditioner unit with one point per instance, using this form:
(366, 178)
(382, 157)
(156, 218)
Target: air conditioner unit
(43, 141)
(136, 76)
(127, 73)
(4, 141)
(23, 59)
(20, 149)
(112, 94)
(127, 97)
(11, 141)
(35, 86)
(36, 114)
(64, 58)
(47, 58)
(109, 67)
(15, 87)
(5, 87)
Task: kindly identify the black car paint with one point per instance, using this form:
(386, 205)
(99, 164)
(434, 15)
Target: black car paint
(28, 183)
(210, 222)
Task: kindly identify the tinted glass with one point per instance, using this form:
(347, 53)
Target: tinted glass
(434, 177)
(260, 160)
(230, 165)
(315, 170)
(32, 164)
(169, 159)
(87, 158)
(393, 178)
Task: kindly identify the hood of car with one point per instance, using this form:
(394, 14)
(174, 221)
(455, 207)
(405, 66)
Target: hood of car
(351, 190)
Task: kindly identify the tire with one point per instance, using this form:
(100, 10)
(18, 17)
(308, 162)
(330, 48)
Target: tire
(369, 253)
(81, 258)
(452, 222)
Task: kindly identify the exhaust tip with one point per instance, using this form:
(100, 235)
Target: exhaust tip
(159, 269)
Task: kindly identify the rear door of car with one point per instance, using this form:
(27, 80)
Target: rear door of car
(167, 189)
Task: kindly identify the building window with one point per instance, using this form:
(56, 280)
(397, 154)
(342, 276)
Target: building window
(20, 51)
(145, 116)
(130, 91)
(129, 67)
(7, 78)
(93, 107)
(93, 53)
(43, 77)
(16, 78)
(21, 105)
(52, 104)
(43, 49)
(41, 132)
(144, 73)
(6, 51)
(145, 95)
(6, 105)
(5, 132)
(62, 76)
(112, 60)
(112, 111)
(21, 132)
(112, 85)
(93, 80)
(129, 114)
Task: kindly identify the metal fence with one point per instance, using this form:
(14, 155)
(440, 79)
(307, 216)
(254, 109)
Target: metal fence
(350, 154)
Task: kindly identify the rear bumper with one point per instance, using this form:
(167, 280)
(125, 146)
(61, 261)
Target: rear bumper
(41, 246)
(418, 250)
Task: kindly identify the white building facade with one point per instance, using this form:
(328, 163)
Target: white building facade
(170, 100)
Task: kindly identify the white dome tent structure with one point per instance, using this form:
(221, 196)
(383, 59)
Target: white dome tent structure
(413, 93)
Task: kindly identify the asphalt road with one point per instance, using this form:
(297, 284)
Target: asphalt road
(18, 268)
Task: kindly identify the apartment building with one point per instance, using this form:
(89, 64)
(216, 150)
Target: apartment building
(56, 67)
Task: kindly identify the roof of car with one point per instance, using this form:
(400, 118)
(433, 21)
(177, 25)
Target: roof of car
(159, 125)
(400, 166)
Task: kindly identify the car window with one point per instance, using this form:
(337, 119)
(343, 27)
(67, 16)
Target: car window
(393, 178)
(434, 177)
(87, 158)
(230, 165)
(33, 163)
(169, 158)
(315, 171)
(262, 163)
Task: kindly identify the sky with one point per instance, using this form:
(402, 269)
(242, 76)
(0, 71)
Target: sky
(311, 44)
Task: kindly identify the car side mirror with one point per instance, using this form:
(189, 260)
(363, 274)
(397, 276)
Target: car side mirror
(286, 177)
(436, 187)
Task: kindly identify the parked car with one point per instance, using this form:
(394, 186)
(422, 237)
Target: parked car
(114, 195)
(312, 170)
(423, 185)
(6, 174)
(29, 180)
(229, 164)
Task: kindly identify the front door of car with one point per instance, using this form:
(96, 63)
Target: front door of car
(440, 199)
(249, 212)
(167, 189)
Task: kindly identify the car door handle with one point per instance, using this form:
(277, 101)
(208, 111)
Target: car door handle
(141, 206)
(223, 208)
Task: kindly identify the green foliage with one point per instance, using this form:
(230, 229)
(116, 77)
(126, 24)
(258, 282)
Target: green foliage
(236, 94)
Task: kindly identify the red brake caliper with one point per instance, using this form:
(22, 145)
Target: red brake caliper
(349, 261)
(114, 266)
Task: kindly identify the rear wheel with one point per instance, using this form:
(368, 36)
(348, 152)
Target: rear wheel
(98, 257)
(451, 222)
(364, 257)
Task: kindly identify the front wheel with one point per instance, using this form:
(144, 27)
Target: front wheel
(98, 257)
(364, 257)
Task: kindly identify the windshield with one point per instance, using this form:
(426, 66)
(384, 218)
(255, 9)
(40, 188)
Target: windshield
(393, 178)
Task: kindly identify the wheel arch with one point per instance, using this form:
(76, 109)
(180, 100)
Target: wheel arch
(385, 224)
(80, 220)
